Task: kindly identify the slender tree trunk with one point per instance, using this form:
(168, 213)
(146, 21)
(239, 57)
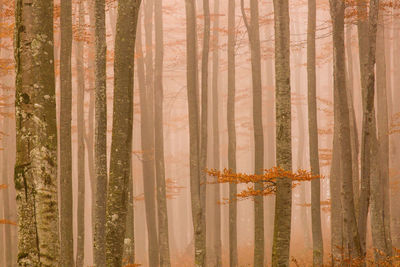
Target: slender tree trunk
(100, 147)
(342, 110)
(233, 254)
(318, 250)
(283, 206)
(66, 232)
(216, 143)
(204, 123)
(254, 39)
(80, 250)
(35, 173)
(196, 188)
(147, 143)
(159, 137)
(121, 144)
(353, 122)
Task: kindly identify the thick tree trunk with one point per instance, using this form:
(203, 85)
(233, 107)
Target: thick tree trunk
(233, 254)
(80, 249)
(129, 241)
(159, 138)
(353, 249)
(121, 144)
(196, 188)
(318, 250)
(66, 231)
(283, 206)
(100, 147)
(35, 172)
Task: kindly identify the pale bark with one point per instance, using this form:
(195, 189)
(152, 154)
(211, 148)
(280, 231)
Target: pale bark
(147, 144)
(254, 39)
(196, 188)
(233, 254)
(159, 137)
(35, 172)
(66, 231)
(283, 206)
(353, 248)
(318, 250)
(100, 146)
(80, 249)
(121, 144)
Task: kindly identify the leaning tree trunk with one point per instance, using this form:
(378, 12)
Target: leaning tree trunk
(35, 173)
(100, 147)
(353, 249)
(193, 108)
(254, 39)
(159, 138)
(283, 206)
(80, 249)
(66, 232)
(121, 144)
(318, 250)
(233, 253)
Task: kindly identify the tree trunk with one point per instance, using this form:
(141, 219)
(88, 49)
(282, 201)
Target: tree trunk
(353, 248)
(159, 138)
(8, 251)
(35, 172)
(66, 232)
(233, 254)
(129, 241)
(121, 144)
(318, 250)
(254, 39)
(379, 175)
(100, 147)
(147, 144)
(196, 188)
(283, 206)
(80, 250)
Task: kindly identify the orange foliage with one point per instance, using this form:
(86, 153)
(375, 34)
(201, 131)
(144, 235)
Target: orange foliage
(3, 186)
(268, 179)
(7, 222)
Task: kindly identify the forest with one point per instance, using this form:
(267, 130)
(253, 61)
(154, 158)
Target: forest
(199, 133)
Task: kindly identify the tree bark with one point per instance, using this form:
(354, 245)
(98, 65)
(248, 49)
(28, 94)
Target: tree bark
(121, 144)
(283, 206)
(100, 147)
(233, 254)
(66, 231)
(318, 250)
(353, 249)
(80, 249)
(254, 39)
(196, 188)
(35, 173)
(159, 137)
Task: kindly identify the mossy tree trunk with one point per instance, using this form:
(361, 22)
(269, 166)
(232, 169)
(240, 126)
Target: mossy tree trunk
(283, 206)
(35, 172)
(66, 231)
(121, 144)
